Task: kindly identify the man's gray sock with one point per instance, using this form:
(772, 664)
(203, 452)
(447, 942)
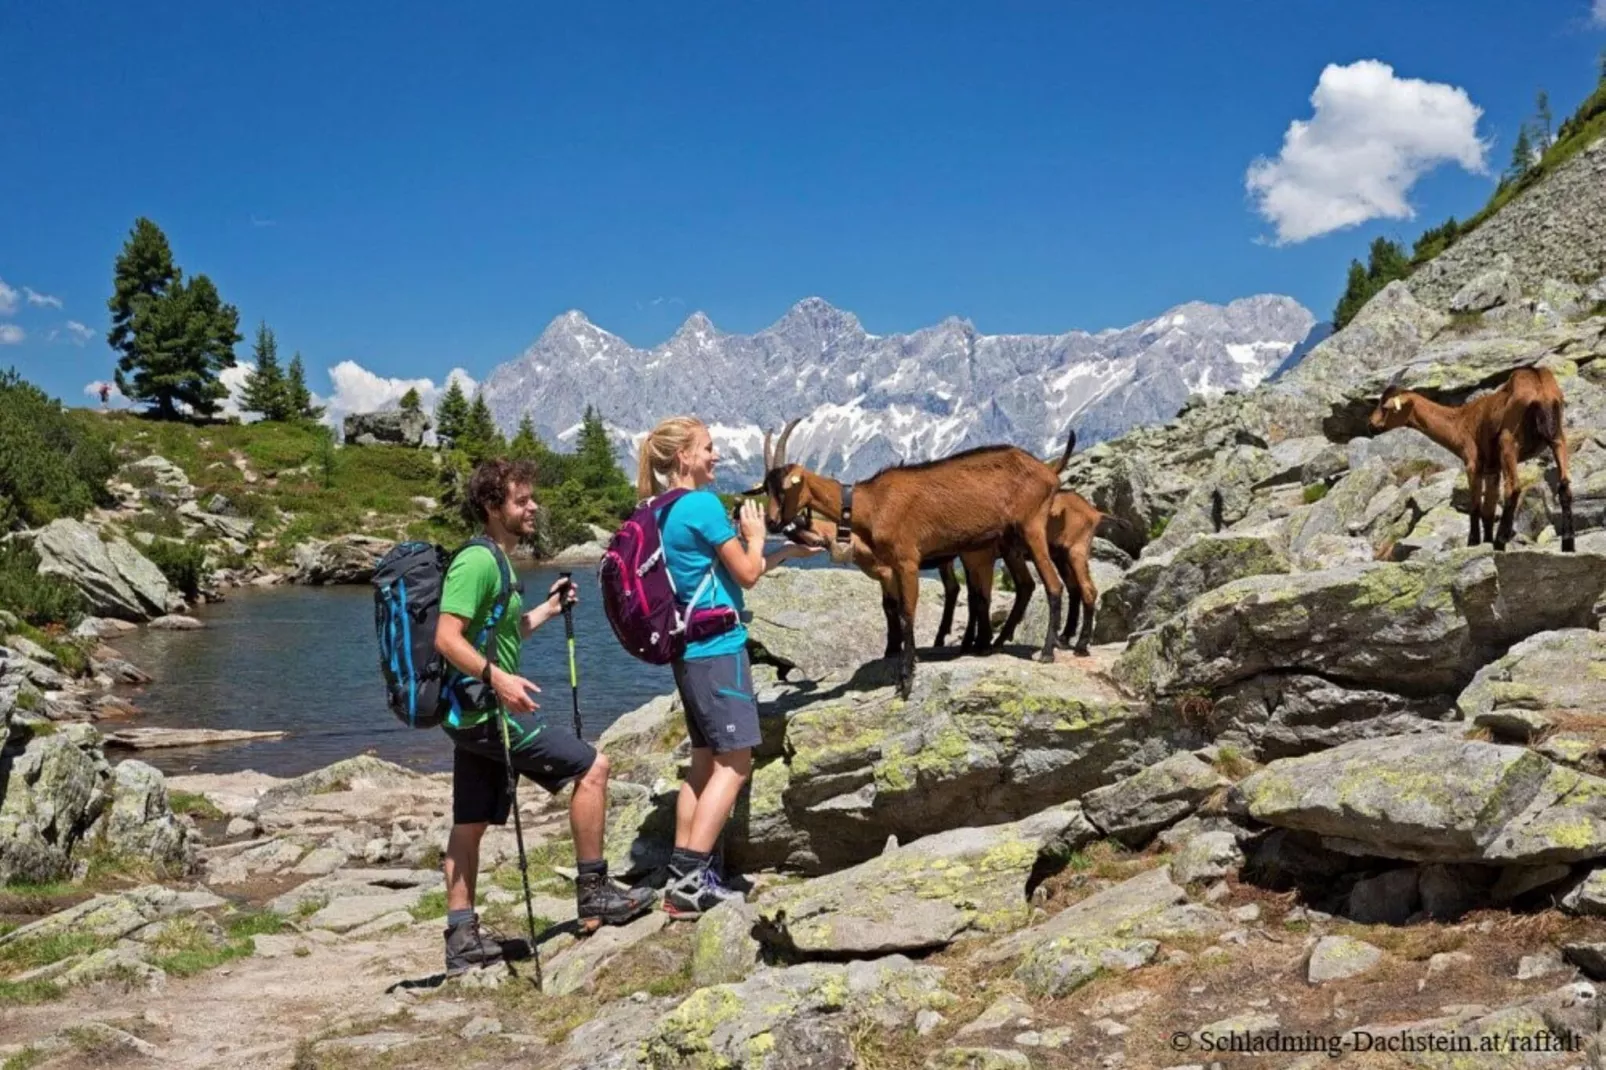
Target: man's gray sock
(454, 918)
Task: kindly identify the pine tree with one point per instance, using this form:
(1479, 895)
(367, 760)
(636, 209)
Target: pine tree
(594, 457)
(526, 444)
(176, 336)
(451, 413)
(411, 403)
(1386, 261)
(265, 387)
(481, 438)
(1542, 112)
(298, 399)
(1522, 153)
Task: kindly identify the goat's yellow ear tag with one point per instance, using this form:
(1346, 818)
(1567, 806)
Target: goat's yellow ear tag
(794, 481)
(1396, 404)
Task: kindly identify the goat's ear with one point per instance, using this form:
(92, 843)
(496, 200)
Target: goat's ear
(1395, 403)
(753, 492)
(794, 479)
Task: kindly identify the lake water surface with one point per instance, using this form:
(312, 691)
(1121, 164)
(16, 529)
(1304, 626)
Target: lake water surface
(305, 660)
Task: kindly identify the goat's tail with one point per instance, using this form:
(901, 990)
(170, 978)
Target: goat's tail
(1544, 420)
(1070, 444)
(1107, 523)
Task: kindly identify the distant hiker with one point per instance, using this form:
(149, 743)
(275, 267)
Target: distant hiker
(105, 394)
(500, 498)
(714, 677)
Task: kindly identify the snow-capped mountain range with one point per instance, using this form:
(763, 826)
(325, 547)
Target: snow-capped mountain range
(869, 400)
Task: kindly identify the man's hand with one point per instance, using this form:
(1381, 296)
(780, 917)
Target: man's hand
(514, 691)
(797, 549)
(563, 593)
(752, 521)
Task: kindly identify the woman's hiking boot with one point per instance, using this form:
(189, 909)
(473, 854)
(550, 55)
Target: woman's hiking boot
(696, 893)
(470, 944)
(599, 901)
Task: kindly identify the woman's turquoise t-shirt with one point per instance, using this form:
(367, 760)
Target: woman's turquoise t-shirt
(692, 533)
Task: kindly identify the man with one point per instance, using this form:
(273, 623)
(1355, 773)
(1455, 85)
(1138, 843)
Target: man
(500, 499)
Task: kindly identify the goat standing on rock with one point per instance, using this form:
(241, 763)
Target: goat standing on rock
(1492, 435)
(909, 514)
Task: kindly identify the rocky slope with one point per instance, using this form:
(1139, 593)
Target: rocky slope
(869, 400)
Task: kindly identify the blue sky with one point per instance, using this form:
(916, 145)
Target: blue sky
(415, 188)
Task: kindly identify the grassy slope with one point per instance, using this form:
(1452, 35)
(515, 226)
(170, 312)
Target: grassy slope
(371, 488)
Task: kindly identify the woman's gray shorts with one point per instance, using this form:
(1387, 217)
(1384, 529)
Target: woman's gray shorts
(721, 712)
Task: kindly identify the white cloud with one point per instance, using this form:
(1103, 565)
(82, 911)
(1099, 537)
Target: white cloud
(11, 334)
(92, 390)
(234, 378)
(41, 300)
(1597, 13)
(77, 333)
(1373, 135)
(356, 389)
(8, 299)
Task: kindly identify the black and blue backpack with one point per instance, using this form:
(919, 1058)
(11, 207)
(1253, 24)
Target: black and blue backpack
(421, 687)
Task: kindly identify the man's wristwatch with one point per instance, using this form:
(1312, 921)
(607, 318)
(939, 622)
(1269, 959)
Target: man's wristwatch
(485, 673)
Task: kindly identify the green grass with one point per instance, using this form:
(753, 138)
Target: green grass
(26, 1059)
(189, 949)
(253, 923)
(30, 953)
(198, 806)
(433, 905)
(22, 993)
(1157, 528)
(74, 656)
(1314, 493)
(540, 860)
(1465, 322)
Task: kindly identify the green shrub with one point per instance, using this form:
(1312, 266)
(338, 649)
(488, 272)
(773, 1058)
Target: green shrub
(37, 599)
(1315, 493)
(183, 563)
(162, 521)
(50, 464)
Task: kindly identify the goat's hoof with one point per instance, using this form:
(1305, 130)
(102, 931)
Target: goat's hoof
(1499, 544)
(1082, 651)
(1567, 546)
(1045, 657)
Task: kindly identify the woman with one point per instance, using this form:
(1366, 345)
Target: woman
(714, 677)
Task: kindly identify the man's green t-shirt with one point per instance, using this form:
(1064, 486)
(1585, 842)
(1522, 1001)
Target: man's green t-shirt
(472, 584)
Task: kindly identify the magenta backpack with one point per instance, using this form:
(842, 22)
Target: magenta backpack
(639, 596)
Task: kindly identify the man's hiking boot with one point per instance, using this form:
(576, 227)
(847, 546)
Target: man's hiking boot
(695, 894)
(599, 901)
(470, 944)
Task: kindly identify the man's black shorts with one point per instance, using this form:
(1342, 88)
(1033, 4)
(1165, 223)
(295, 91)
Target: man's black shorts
(550, 756)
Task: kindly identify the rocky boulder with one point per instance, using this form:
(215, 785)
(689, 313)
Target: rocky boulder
(1161, 585)
(1133, 809)
(923, 895)
(981, 741)
(584, 553)
(160, 480)
(1418, 629)
(62, 798)
(114, 578)
(1545, 677)
(347, 559)
(385, 428)
(1118, 929)
(797, 1016)
(1491, 289)
(829, 620)
(1433, 799)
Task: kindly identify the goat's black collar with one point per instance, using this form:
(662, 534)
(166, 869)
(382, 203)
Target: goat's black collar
(844, 522)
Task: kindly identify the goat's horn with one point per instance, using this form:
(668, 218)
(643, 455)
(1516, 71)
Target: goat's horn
(769, 453)
(786, 434)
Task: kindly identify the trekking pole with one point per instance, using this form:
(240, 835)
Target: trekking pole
(518, 837)
(568, 630)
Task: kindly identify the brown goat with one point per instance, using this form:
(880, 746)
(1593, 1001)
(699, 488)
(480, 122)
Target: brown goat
(1072, 525)
(911, 514)
(1492, 435)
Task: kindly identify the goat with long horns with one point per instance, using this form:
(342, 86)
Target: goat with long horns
(907, 515)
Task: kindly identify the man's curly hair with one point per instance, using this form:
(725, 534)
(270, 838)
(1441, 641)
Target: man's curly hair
(489, 484)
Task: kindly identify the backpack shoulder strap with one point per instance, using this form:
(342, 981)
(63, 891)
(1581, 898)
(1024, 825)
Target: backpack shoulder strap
(503, 596)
